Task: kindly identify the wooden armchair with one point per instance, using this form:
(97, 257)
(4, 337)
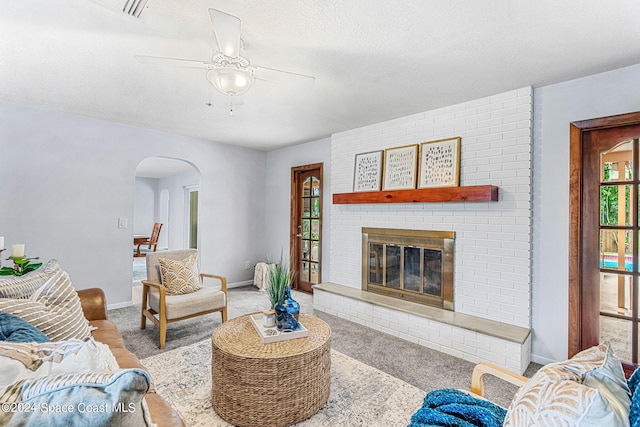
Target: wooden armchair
(161, 308)
(151, 242)
(484, 368)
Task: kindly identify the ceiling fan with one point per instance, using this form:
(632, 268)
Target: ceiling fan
(228, 71)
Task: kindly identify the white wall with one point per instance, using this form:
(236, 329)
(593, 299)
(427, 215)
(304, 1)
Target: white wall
(145, 205)
(555, 106)
(175, 230)
(492, 247)
(278, 200)
(65, 181)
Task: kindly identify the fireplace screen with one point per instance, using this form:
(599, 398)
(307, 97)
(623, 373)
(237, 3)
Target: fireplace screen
(415, 265)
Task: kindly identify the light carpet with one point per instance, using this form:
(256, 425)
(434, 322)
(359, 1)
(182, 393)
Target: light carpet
(361, 395)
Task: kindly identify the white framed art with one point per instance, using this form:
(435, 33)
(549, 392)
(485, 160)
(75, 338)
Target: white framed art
(367, 172)
(400, 167)
(439, 163)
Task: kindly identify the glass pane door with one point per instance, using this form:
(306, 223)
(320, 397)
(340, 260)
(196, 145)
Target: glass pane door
(619, 249)
(310, 230)
(306, 226)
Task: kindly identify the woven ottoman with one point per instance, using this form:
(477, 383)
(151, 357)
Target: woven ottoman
(277, 384)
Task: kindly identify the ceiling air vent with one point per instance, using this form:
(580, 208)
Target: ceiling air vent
(130, 7)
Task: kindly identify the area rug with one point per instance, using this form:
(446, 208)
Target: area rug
(360, 394)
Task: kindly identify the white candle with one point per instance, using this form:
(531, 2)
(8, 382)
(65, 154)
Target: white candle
(17, 250)
(1, 242)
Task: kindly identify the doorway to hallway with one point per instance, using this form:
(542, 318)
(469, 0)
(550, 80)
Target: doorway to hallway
(166, 191)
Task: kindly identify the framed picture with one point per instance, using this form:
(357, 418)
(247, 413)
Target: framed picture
(367, 173)
(440, 163)
(400, 168)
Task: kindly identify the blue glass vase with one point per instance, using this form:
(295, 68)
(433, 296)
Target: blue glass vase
(287, 311)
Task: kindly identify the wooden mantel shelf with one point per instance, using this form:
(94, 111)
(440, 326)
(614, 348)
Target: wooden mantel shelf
(475, 193)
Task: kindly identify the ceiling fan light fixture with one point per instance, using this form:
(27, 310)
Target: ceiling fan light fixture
(231, 81)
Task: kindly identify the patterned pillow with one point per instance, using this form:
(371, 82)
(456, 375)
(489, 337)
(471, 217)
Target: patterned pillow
(90, 399)
(25, 286)
(54, 309)
(587, 390)
(180, 276)
(19, 361)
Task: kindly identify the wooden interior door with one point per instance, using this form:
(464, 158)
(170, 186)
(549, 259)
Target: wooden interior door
(603, 267)
(306, 225)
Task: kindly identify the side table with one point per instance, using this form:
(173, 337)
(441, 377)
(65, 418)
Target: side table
(278, 384)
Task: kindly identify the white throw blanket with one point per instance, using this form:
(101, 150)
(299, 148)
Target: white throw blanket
(261, 275)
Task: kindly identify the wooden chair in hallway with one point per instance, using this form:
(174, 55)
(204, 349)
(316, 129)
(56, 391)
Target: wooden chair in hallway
(151, 242)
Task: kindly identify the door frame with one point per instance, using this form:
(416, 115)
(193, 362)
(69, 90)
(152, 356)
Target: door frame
(577, 130)
(188, 189)
(294, 219)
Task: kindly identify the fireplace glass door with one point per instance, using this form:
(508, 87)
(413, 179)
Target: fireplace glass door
(410, 265)
(408, 268)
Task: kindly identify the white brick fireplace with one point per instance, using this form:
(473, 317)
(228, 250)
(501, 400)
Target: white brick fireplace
(492, 239)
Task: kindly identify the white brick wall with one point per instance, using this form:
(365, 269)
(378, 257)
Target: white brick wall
(493, 239)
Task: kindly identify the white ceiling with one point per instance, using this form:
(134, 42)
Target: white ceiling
(373, 60)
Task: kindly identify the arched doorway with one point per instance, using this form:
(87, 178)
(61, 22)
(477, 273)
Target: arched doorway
(160, 197)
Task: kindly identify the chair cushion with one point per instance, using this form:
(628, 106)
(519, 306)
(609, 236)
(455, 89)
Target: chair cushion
(54, 309)
(587, 390)
(177, 306)
(14, 329)
(180, 276)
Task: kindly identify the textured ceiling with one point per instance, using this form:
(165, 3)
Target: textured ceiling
(373, 60)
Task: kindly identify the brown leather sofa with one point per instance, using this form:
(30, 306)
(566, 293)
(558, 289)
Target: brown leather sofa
(94, 306)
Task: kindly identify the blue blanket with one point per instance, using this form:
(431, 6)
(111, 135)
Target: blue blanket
(454, 408)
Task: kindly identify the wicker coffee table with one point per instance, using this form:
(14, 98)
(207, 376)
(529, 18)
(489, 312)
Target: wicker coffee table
(278, 384)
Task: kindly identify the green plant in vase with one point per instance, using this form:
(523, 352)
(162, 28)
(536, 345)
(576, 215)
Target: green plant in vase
(279, 278)
(21, 266)
(279, 290)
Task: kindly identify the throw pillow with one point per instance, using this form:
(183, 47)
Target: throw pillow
(180, 276)
(54, 309)
(19, 361)
(92, 399)
(25, 286)
(587, 390)
(14, 329)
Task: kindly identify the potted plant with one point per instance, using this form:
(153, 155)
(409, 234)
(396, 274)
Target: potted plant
(21, 266)
(279, 279)
(278, 289)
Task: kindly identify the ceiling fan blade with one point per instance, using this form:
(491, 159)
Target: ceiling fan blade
(226, 29)
(175, 62)
(281, 76)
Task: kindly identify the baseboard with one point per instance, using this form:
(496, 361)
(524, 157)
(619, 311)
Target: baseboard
(541, 360)
(119, 305)
(239, 284)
